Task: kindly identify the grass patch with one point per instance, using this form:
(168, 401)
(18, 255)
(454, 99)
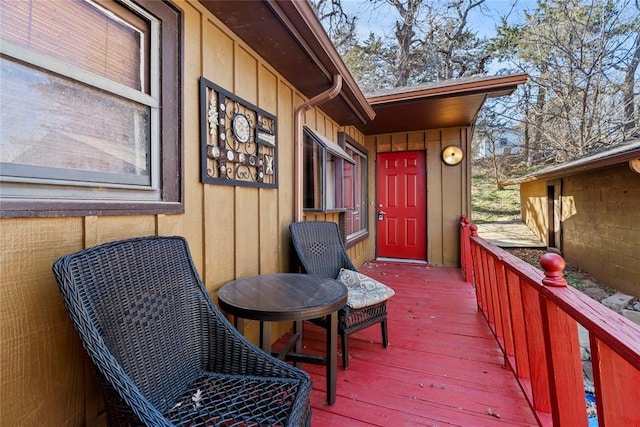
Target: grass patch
(488, 204)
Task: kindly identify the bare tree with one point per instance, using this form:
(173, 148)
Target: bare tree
(405, 32)
(339, 25)
(461, 51)
(631, 125)
(431, 42)
(580, 57)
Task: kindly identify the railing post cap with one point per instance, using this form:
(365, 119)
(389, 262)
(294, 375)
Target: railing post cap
(474, 230)
(553, 266)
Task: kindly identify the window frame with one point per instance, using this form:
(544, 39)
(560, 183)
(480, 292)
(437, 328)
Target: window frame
(165, 162)
(326, 148)
(346, 142)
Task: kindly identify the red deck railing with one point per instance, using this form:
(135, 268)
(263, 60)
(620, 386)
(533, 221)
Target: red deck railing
(534, 316)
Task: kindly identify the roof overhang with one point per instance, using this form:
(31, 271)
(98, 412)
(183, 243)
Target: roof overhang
(619, 154)
(289, 36)
(451, 103)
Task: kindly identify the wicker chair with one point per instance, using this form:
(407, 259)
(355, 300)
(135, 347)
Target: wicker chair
(163, 353)
(321, 252)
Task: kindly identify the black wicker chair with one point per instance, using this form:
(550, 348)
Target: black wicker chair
(321, 252)
(163, 352)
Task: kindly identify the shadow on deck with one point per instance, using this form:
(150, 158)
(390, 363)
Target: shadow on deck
(443, 365)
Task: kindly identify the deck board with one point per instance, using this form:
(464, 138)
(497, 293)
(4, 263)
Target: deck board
(442, 367)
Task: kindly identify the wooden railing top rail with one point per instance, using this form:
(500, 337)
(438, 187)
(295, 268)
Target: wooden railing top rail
(618, 332)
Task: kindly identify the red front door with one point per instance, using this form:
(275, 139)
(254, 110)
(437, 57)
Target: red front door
(402, 210)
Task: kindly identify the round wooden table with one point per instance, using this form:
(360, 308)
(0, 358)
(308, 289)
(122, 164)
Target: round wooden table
(289, 297)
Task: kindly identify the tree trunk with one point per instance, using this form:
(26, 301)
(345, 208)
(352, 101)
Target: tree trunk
(405, 34)
(630, 125)
(539, 113)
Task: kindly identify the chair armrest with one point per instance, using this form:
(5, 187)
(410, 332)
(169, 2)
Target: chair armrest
(229, 352)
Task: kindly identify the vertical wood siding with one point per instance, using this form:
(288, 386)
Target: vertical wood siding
(448, 187)
(232, 232)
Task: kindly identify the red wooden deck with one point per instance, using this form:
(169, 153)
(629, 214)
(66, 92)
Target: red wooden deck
(443, 366)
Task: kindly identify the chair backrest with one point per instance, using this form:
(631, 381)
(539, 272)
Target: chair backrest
(320, 248)
(140, 309)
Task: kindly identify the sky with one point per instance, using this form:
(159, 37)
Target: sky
(380, 18)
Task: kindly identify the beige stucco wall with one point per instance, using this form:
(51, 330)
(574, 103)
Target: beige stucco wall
(600, 223)
(533, 204)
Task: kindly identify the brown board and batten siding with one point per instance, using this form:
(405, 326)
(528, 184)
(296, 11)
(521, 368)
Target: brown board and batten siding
(448, 187)
(232, 231)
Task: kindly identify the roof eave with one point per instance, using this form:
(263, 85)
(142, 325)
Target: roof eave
(291, 39)
(332, 59)
(577, 167)
(492, 86)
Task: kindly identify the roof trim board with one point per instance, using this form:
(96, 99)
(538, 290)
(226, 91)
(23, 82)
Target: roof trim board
(615, 155)
(493, 86)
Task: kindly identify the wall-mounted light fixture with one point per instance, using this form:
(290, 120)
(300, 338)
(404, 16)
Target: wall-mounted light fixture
(452, 155)
(634, 164)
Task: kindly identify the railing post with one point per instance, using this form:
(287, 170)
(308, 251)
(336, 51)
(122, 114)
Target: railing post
(465, 249)
(553, 266)
(616, 382)
(562, 348)
(476, 255)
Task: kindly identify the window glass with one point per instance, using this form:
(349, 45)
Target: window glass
(312, 176)
(355, 194)
(83, 34)
(323, 172)
(74, 129)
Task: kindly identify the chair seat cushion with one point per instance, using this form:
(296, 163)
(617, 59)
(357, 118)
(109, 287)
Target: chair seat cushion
(363, 291)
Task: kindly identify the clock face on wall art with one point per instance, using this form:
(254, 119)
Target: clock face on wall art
(241, 128)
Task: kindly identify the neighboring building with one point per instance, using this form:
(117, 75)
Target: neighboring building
(589, 210)
(221, 121)
(509, 142)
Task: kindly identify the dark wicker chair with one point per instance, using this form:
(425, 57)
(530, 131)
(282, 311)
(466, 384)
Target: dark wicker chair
(163, 352)
(321, 252)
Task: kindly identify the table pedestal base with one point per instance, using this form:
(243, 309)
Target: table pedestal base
(329, 360)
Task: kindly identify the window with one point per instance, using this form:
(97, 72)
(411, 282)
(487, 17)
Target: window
(323, 172)
(90, 114)
(356, 190)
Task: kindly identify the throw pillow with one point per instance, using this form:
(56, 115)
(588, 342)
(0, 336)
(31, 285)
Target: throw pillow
(363, 291)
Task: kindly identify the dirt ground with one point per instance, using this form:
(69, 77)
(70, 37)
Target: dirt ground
(575, 277)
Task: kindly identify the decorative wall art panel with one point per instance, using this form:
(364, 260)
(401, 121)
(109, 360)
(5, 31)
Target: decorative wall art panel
(238, 140)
